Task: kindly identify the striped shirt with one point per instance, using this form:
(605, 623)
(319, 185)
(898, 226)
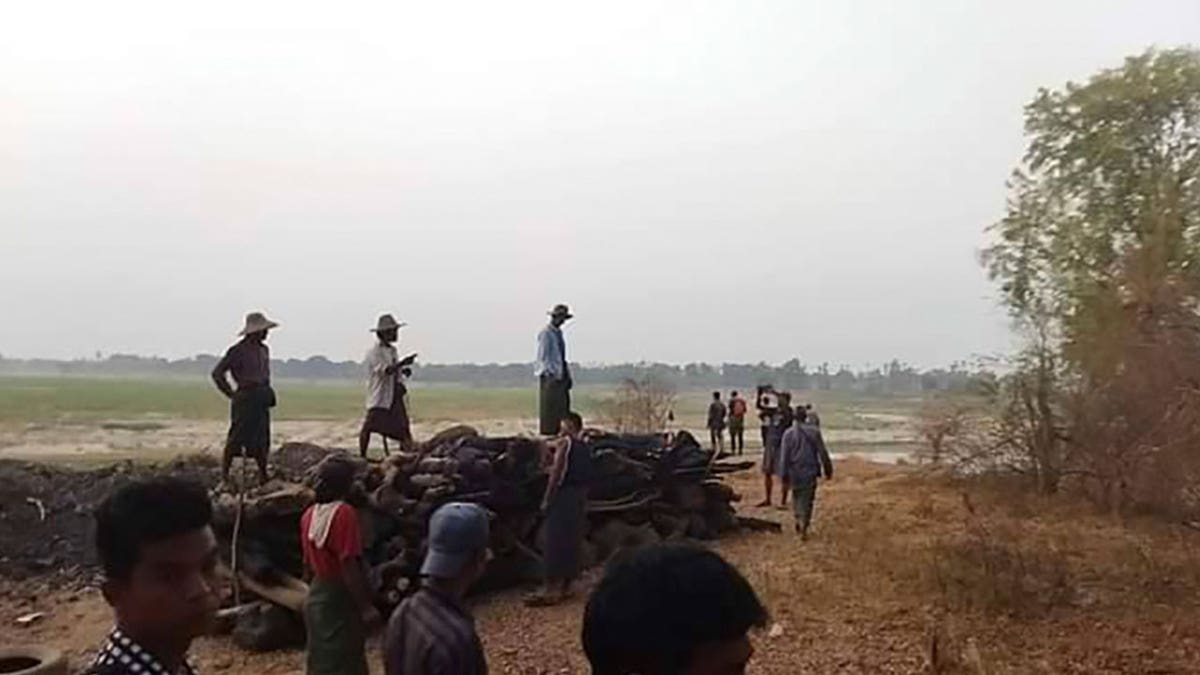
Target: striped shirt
(431, 633)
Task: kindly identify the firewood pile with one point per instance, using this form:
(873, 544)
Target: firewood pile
(642, 493)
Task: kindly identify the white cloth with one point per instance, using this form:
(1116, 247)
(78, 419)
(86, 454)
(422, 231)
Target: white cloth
(322, 519)
(381, 386)
(550, 358)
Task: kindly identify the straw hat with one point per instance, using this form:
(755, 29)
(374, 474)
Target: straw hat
(255, 322)
(387, 322)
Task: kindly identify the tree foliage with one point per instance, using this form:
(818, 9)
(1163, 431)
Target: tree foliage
(1098, 261)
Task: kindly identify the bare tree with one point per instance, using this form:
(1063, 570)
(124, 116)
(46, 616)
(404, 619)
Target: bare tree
(640, 406)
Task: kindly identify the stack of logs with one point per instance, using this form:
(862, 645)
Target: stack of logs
(644, 492)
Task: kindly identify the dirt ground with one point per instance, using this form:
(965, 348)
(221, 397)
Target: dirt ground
(903, 572)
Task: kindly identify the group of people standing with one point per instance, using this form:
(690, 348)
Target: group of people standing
(667, 609)
(248, 364)
(732, 416)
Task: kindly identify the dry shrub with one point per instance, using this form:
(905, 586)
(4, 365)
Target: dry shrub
(640, 406)
(997, 567)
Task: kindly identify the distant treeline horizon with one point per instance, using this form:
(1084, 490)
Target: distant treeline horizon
(893, 377)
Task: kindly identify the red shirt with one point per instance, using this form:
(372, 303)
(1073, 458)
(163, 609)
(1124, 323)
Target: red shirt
(343, 543)
(737, 408)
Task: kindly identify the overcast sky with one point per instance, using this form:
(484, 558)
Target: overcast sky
(716, 181)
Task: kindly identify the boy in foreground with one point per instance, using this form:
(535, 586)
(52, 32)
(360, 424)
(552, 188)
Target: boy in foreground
(159, 557)
(671, 609)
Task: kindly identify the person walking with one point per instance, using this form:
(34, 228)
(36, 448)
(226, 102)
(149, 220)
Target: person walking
(768, 409)
(784, 417)
(737, 424)
(338, 611)
(387, 407)
(432, 632)
(716, 423)
(553, 373)
(249, 364)
(806, 459)
(565, 508)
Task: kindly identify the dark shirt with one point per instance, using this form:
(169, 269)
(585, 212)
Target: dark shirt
(122, 656)
(716, 415)
(579, 464)
(249, 363)
(784, 418)
(431, 633)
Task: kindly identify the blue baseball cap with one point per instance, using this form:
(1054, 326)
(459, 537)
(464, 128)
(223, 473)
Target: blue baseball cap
(458, 533)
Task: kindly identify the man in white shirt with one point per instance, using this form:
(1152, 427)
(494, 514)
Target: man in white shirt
(387, 412)
(554, 377)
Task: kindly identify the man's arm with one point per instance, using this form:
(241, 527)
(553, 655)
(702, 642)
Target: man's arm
(356, 582)
(218, 376)
(348, 545)
(823, 455)
(558, 470)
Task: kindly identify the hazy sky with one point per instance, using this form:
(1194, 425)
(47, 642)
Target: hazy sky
(711, 181)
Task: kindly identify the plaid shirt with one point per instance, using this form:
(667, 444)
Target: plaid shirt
(122, 656)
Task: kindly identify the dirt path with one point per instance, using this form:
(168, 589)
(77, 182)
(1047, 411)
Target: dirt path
(862, 597)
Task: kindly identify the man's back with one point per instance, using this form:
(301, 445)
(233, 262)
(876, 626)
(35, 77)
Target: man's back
(431, 633)
(805, 454)
(716, 415)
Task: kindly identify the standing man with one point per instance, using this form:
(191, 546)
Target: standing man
(159, 556)
(387, 409)
(432, 631)
(249, 364)
(565, 508)
(554, 376)
(805, 460)
(737, 423)
(339, 610)
(716, 423)
(768, 410)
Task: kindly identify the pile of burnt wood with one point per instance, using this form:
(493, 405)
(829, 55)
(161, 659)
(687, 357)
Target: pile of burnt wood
(644, 492)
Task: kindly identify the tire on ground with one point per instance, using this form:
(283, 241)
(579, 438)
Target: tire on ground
(32, 660)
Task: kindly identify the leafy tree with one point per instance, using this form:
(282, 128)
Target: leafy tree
(1098, 260)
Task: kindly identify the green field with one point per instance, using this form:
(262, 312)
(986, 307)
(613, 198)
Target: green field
(84, 399)
(62, 399)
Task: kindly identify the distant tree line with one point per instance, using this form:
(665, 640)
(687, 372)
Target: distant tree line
(894, 377)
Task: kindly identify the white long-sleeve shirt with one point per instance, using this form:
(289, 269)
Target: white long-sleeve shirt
(381, 387)
(551, 353)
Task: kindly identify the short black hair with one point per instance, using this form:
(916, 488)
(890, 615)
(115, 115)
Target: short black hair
(733, 393)
(144, 512)
(661, 602)
(716, 394)
(801, 413)
(574, 418)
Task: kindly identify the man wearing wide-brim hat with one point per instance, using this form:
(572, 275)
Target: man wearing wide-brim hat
(249, 364)
(387, 409)
(554, 376)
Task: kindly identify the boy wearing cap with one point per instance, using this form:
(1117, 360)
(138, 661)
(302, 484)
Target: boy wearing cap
(431, 632)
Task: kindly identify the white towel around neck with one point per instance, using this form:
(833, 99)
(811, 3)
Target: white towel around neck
(322, 519)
